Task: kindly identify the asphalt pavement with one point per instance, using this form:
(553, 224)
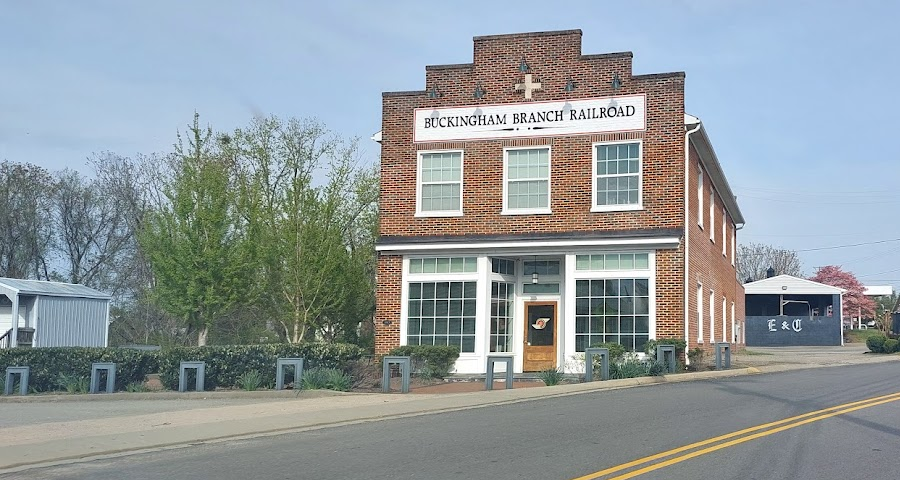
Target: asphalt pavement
(38, 432)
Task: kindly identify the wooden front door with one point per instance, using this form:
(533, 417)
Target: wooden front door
(540, 336)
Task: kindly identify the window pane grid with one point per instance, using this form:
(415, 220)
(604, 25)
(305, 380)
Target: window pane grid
(612, 310)
(443, 265)
(501, 316)
(503, 266)
(618, 179)
(528, 178)
(612, 261)
(441, 182)
(442, 313)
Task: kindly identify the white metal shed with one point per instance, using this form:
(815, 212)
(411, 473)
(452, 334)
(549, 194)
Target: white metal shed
(52, 314)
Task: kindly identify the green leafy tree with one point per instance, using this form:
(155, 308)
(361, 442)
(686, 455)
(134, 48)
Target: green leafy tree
(305, 202)
(195, 242)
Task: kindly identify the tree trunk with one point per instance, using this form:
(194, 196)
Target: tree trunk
(202, 335)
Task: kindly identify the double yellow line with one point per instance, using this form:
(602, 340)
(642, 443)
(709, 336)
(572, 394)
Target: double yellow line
(744, 435)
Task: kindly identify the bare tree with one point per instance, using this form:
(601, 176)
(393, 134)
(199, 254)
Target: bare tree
(90, 229)
(754, 259)
(25, 220)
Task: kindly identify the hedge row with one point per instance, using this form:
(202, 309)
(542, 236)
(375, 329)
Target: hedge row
(224, 364)
(434, 361)
(47, 364)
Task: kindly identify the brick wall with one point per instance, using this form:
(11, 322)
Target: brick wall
(707, 264)
(388, 287)
(554, 58)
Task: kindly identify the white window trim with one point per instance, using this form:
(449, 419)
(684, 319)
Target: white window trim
(699, 313)
(407, 278)
(527, 211)
(712, 316)
(700, 210)
(724, 230)
(733, 242)
(724, 319)
(712, 217)
(572, 275)
(733, 332)
(438, 213)
(617, 208)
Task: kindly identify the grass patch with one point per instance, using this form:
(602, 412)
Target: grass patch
(860, 336)
(752, 352)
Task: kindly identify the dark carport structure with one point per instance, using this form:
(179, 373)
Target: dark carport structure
(789, 311)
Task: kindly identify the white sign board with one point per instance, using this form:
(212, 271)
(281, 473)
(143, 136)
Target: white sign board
(532, 119)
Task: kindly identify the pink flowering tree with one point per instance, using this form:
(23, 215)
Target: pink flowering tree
(856, 303)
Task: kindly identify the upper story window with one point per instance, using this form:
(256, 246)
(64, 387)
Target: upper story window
(617, 176)
(440, 184)
(526, 180)
(733, 241)
(700, 197)
(712, 217)
(724, 217)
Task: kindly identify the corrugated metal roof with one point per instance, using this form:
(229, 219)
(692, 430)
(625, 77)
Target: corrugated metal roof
(788, 285)
(55, 289)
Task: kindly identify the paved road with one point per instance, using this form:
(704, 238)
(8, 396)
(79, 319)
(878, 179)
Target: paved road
(575, 436)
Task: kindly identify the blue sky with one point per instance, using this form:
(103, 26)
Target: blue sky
(799, 98)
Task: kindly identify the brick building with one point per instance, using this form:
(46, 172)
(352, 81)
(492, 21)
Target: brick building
(539, 201)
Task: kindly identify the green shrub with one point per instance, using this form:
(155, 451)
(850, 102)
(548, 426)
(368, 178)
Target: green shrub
(136, 387)
(629, 367)
(655, 369)
(225, 364)
(876, 343)
(678, 343)
(326, 379)
(696, 356)
(436, 361)
(250, 381)
(616, 351)
(72, 383)
(551, 376)
(891, 345)
(48, 363)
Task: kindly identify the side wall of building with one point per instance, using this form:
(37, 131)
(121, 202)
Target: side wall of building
(708, 266)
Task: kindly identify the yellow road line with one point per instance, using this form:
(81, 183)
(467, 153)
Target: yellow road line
(839, 408)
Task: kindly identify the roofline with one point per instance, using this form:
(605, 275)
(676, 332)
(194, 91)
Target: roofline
(835, 290)
(6, 288)
(714, 170)
(450, 66)
(549, 33)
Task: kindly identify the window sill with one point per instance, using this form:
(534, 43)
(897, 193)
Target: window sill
(438, 214)
(537, 211)
(616, 208)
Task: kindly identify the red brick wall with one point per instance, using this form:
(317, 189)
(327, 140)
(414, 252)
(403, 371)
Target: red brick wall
(387, 310)
(553, 58)
(707, 265)
(669, 294)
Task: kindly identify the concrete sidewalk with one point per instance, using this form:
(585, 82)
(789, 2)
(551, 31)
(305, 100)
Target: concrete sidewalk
(52, 431)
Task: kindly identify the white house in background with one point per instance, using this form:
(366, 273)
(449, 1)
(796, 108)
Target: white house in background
(879, 290)
(52, 314)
